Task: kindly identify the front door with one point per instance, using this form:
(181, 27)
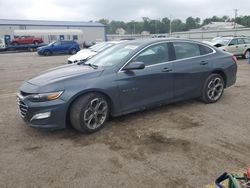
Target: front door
(148, 86)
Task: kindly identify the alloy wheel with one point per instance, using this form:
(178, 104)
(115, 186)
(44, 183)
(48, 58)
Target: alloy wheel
(96, 113)
(215, 88)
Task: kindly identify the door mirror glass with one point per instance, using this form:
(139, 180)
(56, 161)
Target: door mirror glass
(134, 66)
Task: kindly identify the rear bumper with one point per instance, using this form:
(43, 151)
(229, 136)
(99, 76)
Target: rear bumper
(231, 74)
(43, 115)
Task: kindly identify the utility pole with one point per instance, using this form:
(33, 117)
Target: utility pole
(235, 15)
(170, 25)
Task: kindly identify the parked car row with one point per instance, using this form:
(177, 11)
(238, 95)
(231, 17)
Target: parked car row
(126, 77)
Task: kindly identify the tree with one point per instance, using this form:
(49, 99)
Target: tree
(190, 23)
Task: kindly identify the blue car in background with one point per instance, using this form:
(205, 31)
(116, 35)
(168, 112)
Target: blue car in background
(59, 47)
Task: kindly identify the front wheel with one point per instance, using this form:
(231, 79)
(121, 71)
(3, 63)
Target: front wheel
(89, 112)
(73, 51)
(213, 88)
(47, 53)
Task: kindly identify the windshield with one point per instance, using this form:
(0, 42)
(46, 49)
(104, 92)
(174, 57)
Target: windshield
(52, 43)
(106, 46)
(222, 41)
(96, 46)
(112, 56)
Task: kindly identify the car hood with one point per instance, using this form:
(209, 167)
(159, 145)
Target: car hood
(64, 72)
(82, 56)
(42, 47)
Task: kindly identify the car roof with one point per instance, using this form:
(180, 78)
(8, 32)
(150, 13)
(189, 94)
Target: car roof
(149, 41)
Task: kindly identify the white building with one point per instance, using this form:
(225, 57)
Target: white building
(218, 26)
(88, 32)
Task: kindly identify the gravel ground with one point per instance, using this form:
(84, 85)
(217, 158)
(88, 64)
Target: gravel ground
(186, 144)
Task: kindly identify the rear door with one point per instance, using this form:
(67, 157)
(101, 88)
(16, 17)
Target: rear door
(148, 86)
(191, 68)
(241, 46)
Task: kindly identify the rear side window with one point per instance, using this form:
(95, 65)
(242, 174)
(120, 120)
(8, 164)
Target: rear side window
(186, 50)
(157, 53)
(241, 41)
(247, 41)
(205, 50)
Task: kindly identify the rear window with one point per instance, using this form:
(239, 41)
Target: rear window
(247, 40)
(205, 50)
(186, 50)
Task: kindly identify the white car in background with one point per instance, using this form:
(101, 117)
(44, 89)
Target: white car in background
(2, 44)
(90, 52)
(239, 46)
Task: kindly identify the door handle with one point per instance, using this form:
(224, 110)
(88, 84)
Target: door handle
(236, 46)
(203, 62)
(166, 69)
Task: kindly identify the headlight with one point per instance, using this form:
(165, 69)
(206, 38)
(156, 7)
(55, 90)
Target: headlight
(42, 97)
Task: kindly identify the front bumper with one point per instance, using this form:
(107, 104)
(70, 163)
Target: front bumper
(45, 115)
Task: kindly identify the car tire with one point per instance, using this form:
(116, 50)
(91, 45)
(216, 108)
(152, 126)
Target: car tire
(89, 112)
(47, 53)
(73, 51)
(213, 88)
(246, 55)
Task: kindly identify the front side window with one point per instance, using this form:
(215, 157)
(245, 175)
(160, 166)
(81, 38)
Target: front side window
(154, 54)
(186, 50)
(233, 42)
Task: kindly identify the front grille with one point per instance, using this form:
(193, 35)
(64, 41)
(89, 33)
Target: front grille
(23, 108)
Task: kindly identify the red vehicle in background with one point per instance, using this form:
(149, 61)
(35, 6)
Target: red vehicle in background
(26, 40)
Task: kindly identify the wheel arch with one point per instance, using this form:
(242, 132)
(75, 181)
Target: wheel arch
(78, 95)
(248, 49)
(47, 50)
(222, 74)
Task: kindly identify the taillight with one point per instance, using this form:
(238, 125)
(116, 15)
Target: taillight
(234, 58)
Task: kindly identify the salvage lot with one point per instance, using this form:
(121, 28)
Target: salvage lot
(186, 144)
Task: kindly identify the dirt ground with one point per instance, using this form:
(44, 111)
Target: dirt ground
(187, 144)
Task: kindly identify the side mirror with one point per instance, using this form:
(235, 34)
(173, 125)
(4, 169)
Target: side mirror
(134, 66)
(52, 45)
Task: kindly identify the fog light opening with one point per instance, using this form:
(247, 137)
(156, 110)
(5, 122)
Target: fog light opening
(41, 116)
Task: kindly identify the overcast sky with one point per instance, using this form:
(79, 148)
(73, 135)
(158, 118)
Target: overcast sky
(125, 10)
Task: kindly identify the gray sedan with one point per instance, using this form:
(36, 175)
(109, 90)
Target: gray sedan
(127, 77)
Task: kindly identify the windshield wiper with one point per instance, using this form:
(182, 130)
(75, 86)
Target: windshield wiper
(83, 62)
(91, 65)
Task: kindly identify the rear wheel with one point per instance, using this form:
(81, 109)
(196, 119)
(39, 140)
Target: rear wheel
(213, 88)
(246, 55)
(89, 112)
(47, 53)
